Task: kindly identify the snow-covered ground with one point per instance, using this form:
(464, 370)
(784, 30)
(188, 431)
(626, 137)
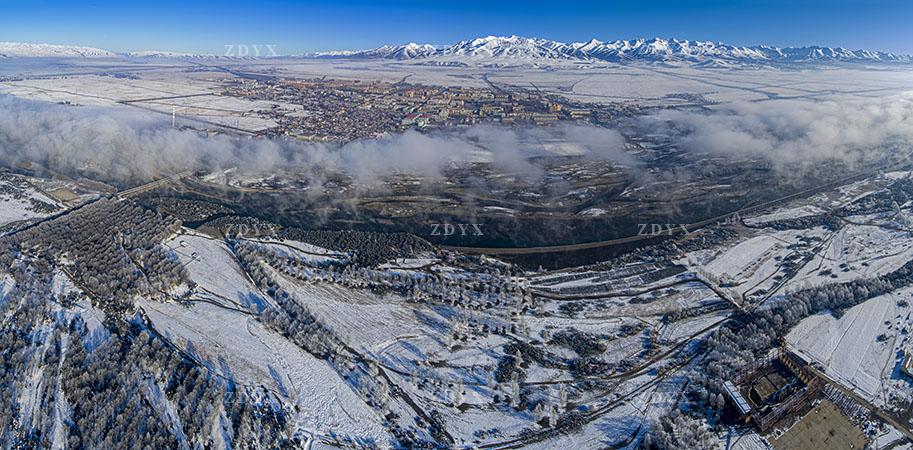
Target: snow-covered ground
(243, 349)
(366, 321)
(216, 272)
(860, 349)
(636, 311)
(188, 98)
(224, 336)
(599, 83)
(16, 201)
(783, 214)
(857, 251)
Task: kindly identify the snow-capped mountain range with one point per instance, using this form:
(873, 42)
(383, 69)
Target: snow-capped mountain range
(516, 50)
(19, 49)
(166, 54)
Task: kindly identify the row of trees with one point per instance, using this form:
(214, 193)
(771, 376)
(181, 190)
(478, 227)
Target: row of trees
(187, 210)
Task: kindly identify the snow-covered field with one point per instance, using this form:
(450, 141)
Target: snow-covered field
(859, 349)
(641, 84)
(744, 263)
(101, 90)
(783, 214)
(16, 201)
(186, 97)
(364, 320)
(857, 251)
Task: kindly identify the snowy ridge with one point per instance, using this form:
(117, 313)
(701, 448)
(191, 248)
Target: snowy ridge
(25, 50)
(166, 54)
(516, 49)
(184, 55)
(28, 50)
(408, 51)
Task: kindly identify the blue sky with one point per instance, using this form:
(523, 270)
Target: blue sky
(304, 26)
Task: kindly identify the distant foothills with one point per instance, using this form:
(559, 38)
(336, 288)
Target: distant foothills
(516, 50)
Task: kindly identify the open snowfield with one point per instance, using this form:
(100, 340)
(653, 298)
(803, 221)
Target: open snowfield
(742, 262)
(187, 97)
(215, 270)
(365, 321)
(860, 348)
(224, 336)
(310, 254)
(754, 265)
(104, 90)
(783, 214)
(607, 82)
(857, 251)
(14, 210)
